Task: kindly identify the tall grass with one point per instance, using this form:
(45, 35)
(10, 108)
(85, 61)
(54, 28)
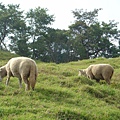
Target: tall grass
(60, 94)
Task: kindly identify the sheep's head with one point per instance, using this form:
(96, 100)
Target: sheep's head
(0, 74)
(3, 72)
(82, 72)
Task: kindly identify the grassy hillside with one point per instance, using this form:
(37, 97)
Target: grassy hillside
(61, 95)
(5, 56)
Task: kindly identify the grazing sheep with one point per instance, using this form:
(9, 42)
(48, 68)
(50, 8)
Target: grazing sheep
(98, 71)
(22, 68)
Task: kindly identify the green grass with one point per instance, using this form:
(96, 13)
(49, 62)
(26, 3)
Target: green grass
(60, 94)
(5, 56)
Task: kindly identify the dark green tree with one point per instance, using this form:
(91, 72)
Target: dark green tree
(30, 35)
(37, 22)
(104, 37)
(10, 15)
(57, 45)
(91, 38)
(19, 40)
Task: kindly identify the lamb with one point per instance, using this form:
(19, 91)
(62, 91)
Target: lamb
(22, 68)
(98, 72)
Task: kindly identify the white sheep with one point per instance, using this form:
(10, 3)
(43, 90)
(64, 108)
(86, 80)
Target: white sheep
(22, 68)
(98, 72)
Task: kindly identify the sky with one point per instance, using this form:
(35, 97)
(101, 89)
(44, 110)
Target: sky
(62, 9)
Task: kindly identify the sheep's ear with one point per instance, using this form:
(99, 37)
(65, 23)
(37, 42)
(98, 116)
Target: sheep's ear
(1, 68)
(80, 73)
(80, 70)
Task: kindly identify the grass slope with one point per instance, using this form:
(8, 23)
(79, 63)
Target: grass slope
(61, 95)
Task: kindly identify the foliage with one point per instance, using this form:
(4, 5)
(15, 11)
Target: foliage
(56, 46)
(60, 94)
(10, 19)
(96, 39)
(5, 56)
(30, 34)
(37, 20)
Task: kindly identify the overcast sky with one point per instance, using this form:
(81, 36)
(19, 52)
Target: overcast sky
(61, 9)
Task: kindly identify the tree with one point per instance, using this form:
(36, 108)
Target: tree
(10, 15)
(91, 38)
(57, 45)
(30, 35)
(37, 21)
(19, 40)
(104, 36)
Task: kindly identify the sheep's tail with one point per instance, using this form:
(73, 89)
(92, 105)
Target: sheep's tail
(33, 76)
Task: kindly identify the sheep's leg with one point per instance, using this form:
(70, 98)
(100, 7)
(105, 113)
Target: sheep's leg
(9, 74)
(27, 84)
(108, 81)
(7, 81)
(20, 82)
(90, 76)
(97, 80)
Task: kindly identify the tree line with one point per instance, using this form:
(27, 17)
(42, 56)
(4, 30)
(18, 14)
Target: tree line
(29, 34)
